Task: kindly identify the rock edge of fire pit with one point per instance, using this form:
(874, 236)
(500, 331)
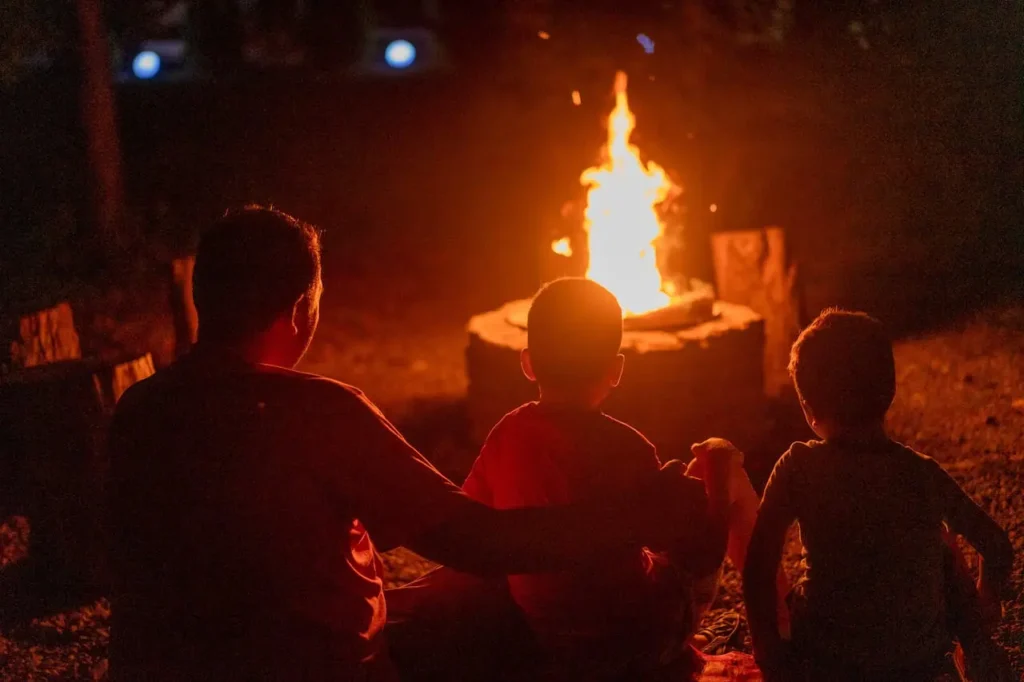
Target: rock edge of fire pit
(680, 385)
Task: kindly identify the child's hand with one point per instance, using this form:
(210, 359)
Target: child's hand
(716, 461)
(717, 449)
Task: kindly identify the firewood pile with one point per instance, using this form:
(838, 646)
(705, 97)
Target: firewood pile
(55, 405)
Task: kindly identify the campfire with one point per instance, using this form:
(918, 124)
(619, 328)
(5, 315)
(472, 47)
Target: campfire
(624, 229)
(694, 364)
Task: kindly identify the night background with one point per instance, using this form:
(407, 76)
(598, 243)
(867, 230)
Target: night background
(885, 138)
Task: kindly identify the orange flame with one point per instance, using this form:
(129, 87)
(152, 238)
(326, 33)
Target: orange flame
(621, 218)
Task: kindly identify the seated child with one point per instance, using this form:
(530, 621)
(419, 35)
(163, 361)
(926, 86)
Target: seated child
(563, 449)
(882, 597)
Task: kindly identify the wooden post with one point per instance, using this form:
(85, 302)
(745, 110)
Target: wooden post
(752, 269)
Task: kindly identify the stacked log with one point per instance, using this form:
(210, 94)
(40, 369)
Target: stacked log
(54, 410)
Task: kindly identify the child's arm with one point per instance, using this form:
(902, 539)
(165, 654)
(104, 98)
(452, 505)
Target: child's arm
(713, 462)
(764, 554)
(966, 518)
(477, 483)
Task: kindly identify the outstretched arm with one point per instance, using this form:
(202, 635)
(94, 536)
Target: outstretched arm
(403, 500)
(482, 540)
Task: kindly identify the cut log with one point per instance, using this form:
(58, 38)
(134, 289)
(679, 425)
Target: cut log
(53, 420)
(186, 319)
(44, 337)
(752, 269)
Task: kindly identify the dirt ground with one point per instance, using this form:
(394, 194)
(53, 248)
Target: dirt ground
(960, 400)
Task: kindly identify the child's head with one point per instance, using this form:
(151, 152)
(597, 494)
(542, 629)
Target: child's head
(843, 370)
(574, 331)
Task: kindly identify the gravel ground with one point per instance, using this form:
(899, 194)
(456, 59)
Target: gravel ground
(960, 400)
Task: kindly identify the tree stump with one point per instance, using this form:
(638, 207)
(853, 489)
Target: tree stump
(53, 420)
(43, 337)
(752, 269)
(680, 386)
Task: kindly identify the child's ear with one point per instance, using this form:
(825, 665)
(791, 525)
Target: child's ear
(615, 373)
(808, 415)
(300, 311)
(527, 364)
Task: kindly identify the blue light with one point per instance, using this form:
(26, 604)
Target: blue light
(146, 65)
(646, 42)
(400, 54)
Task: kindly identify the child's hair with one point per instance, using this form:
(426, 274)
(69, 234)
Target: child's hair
(574, 331)
(843, 368)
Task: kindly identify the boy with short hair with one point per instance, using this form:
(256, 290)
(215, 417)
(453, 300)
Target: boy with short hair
(881, 598)
(622, 614)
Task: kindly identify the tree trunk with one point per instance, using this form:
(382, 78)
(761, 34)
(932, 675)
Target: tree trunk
(100, 123)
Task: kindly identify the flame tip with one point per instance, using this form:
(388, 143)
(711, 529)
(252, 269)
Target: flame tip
(621, 81)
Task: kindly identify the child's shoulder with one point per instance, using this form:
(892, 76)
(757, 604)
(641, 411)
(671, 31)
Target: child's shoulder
(921, 462)
(801, 457)
(513, 420)
(533, 420)
(812, 452)
(621, 430)
(804, 450)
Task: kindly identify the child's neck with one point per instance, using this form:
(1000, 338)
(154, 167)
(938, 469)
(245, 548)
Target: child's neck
(572, 399)
(869, 433)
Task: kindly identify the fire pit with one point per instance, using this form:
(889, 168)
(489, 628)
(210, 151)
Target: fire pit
(693, 364)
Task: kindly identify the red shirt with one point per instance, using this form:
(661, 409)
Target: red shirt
(243, 499)
(539, 455)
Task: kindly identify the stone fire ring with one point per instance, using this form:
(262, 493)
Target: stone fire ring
(680, 386)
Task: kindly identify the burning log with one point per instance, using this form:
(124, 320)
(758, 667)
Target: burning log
(688, 310)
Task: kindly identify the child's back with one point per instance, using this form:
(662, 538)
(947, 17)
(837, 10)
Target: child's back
(870, 520)
(563, 449)
(882, 598)
(541, 455)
